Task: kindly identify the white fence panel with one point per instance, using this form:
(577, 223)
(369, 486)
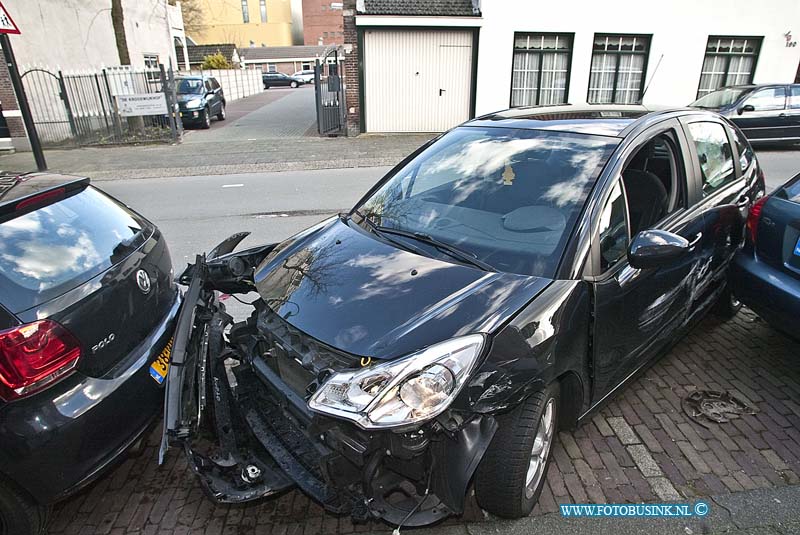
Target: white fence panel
(236, 83)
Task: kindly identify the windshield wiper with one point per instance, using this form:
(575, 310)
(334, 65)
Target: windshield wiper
(450, 250)
(379, 231)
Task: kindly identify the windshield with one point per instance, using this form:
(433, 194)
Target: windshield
(190, 86)
(510, 197)
(720, 98)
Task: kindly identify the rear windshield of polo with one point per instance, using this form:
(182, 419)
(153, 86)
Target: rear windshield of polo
(58, 247)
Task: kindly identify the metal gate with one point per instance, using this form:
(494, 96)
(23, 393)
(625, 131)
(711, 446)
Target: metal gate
(330, 95)
(81, 108)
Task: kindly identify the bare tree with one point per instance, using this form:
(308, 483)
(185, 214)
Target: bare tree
(118, 22)
(193, 15)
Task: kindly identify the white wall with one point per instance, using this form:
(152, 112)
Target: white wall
(680, 30)
(76, 34)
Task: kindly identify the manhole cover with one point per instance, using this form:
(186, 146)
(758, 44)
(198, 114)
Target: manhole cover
(710, 406)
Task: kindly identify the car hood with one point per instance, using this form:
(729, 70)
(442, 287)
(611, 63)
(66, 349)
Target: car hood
(353, 292)
(186, 97)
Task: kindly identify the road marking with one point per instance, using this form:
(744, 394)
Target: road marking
(252, 139)
(232, 185)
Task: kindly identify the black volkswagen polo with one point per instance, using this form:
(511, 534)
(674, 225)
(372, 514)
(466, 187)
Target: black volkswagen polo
(497, 285)
(87, 309)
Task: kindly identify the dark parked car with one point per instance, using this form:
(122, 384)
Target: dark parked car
(766, 273)
(87, 310)
(765, 113)
(498, 284)
(199, 99)
(278, 79)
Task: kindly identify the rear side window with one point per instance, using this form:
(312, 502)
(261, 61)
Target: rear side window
(51, 250)
(794, 97)
(715, 155)
(746, 155)
(790, 191)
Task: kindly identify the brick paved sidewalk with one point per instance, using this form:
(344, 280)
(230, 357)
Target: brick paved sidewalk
(640, 448)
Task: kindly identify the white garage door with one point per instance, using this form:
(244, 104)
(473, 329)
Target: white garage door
(417, 80)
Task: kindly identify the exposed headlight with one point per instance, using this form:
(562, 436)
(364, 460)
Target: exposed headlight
(404, 391)
(194, 103)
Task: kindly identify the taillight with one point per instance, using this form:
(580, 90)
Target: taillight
(753, 217)
(35, 355)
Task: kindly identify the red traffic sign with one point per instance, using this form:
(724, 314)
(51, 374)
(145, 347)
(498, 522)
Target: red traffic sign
(7, 24)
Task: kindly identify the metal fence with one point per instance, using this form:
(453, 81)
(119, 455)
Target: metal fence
(330, 94)
(81, 108)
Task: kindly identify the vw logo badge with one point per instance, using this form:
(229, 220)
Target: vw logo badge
(143, 281)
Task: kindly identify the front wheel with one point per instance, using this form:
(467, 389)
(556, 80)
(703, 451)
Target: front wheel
(19, 515)
(206, 119)
(294, 85)
(511, 475)
(221, 115)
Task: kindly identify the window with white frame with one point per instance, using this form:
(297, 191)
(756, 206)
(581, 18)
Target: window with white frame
(618, 68)
(271, 67)
(245, 12)
(540, 71)
(263, 5)
(151, 68)
(729, 61)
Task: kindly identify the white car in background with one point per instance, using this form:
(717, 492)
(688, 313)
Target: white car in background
(307, 75)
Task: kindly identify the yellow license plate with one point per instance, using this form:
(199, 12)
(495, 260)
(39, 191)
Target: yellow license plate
(160, 366)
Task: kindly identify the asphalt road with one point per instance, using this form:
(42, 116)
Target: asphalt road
(195, 213)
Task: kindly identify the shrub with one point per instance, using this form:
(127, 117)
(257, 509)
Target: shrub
(215, 61)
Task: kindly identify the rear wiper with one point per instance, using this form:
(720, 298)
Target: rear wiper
(451, 250)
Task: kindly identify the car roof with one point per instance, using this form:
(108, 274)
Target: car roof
(602, 120)
(14, 187)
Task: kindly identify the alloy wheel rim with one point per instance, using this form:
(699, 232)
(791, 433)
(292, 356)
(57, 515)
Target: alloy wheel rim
(541, 449)
(222, 111)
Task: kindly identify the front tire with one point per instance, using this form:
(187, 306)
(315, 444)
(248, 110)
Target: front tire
(206, 119)
(221, 115)
(511, 475)
(19, 515)
(294, 85)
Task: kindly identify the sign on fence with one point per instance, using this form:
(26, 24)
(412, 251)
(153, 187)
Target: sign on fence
(142, 104)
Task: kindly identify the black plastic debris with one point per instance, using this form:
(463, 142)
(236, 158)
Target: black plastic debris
(708, 407)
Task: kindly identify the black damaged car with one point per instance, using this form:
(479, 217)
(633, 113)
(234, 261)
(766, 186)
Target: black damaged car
(497, 285)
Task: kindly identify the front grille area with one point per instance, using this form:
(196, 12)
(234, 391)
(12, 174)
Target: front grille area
(286, 340)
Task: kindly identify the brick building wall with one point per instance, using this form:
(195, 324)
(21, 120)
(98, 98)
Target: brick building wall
(322, 24)
(351, 60)
(11, 113)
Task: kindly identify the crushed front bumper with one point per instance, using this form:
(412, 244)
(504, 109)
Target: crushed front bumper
(237, 404)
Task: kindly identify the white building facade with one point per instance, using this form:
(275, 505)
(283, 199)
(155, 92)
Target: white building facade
(525, 53)
(79, 35)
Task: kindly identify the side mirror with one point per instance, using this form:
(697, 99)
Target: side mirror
(656, 248)
(746, 107)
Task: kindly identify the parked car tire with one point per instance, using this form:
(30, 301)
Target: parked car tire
(294, 85)
(206, 124)
(19, 515)
(728, 305)
(507, 482)
(221, 114)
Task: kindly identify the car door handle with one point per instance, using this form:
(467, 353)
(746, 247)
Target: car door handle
(743, 202)
(781, 115)
(695, 241)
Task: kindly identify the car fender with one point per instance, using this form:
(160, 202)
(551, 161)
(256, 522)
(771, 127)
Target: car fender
(548, 339)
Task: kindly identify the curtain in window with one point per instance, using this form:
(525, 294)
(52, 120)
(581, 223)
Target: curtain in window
(629, 79)
(524, 79)
(601, 78)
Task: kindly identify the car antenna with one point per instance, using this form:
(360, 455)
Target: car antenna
(651, 78)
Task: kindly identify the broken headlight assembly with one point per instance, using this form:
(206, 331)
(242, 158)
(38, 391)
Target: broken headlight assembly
(406, 391)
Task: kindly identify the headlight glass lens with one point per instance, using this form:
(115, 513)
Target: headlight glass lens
(408, 390)
(194, 103)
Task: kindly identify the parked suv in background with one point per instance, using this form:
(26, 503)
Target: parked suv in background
(200, 98)
(87, 304)
(765, 113)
